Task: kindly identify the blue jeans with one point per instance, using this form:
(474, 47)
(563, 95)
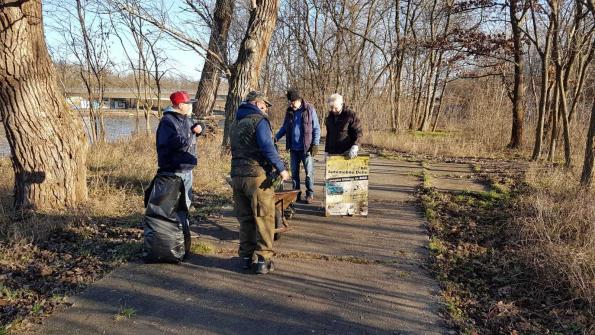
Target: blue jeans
(306, 159)
(187, 179)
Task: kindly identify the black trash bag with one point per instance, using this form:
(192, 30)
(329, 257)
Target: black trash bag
(167, 239)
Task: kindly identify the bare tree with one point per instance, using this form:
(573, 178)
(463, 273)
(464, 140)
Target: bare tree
(517, 11)
(253, 50)
(215, 52)
(545, 87)
(210, 77)
(47, 142)
(94, 61)
(589, 162)
(572, 52)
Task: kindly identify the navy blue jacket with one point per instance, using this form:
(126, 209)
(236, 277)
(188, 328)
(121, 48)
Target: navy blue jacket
(264, 135)
(176, 143)
(301, 127)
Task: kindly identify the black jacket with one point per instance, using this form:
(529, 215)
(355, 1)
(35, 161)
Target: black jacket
(342, 131)
(176, 143)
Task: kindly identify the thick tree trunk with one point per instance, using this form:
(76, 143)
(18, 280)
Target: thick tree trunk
(210, 78)
(518, 93)
(48, 144)
(253, 50)
(587, 175)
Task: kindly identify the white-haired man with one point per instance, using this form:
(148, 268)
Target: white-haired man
(343, 129)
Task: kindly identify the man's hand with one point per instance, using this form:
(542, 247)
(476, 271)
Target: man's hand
(197, 129)
(353, 151)
(284, 175)
(314, 149)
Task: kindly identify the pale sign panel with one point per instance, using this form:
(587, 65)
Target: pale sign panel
(346, 185)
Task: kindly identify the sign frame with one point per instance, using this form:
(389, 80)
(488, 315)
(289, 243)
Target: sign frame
(346, 185)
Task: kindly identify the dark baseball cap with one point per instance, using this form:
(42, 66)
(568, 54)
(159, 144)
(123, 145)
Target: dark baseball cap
(256, 96)
(293, 94)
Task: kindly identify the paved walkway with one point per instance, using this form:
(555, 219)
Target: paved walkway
(334, 275)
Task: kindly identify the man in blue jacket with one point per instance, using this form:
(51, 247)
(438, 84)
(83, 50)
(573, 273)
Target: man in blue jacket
(302, 131)
(254, 159)
(176, 143)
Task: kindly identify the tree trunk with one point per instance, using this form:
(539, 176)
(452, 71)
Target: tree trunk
(253, 50)
(48, 144)
(554, 123)
(543, 96)
(565, 126)
(424, 117)
(210, 78)
(587, 175)
(440, 102)
(395, 73)
(395, 77)
(518, 93)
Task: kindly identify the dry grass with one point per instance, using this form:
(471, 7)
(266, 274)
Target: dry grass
(557, 229)
(475, 122)
(117, 175)
(451, 143)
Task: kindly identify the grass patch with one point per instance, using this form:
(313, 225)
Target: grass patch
(202, 248)
(125, 313)
(37, 308)
(426, 178)
(437, 133)
(435, 245)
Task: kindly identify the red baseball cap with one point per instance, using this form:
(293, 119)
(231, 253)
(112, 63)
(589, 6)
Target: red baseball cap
(180, 97)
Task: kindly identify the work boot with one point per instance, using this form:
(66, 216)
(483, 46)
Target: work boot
(246, 262)
(309, 199)
(264, 266)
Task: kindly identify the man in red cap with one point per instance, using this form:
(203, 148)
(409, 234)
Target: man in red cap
(176, 143)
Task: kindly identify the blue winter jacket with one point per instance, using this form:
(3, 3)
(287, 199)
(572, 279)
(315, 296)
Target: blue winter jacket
(176, 143)
(264, 135)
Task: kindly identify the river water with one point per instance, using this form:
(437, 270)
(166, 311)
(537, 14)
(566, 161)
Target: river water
(117, 127)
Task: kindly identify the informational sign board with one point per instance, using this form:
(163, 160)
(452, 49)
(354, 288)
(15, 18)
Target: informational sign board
(346, 185)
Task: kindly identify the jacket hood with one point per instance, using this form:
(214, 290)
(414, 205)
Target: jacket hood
(176, 113)
(246, 109)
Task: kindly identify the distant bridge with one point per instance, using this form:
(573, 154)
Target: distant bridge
(131, 95)
(126, 93)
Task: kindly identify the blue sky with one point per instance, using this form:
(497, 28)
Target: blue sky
(181, 60)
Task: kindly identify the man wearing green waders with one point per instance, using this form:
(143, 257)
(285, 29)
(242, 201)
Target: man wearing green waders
(255, 164)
